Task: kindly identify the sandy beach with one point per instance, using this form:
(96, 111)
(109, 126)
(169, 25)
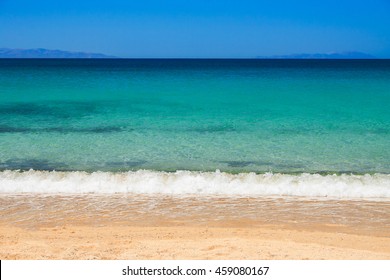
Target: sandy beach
(187, 243)
(89, 227)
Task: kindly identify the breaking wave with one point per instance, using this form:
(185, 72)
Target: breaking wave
(200, 183)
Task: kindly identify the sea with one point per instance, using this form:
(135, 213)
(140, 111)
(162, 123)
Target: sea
(240, 127)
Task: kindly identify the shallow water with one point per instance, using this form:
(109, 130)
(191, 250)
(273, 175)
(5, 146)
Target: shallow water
(276, 116)
(36, 211)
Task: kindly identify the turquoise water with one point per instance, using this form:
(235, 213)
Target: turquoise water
(280, 116)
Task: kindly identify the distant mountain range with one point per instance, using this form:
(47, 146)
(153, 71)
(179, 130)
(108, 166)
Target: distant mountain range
(44, 53)
(341, 55)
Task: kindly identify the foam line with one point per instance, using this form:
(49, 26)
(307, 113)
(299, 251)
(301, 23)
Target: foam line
(202, 183)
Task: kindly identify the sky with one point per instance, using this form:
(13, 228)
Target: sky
(197, 28)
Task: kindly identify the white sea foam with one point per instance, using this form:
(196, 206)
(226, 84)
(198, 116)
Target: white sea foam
(203, 183)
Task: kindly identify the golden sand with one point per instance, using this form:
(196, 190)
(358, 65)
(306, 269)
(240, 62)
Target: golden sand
(135, 227)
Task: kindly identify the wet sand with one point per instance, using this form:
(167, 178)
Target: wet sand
(168, 227)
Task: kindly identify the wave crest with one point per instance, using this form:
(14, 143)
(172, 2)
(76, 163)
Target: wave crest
(202, 183)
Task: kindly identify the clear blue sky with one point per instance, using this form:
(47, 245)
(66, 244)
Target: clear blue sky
(197, 28)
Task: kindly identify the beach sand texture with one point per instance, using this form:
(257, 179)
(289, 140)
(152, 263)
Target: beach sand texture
(169, 227)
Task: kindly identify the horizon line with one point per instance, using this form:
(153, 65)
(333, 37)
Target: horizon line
(194, 58)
